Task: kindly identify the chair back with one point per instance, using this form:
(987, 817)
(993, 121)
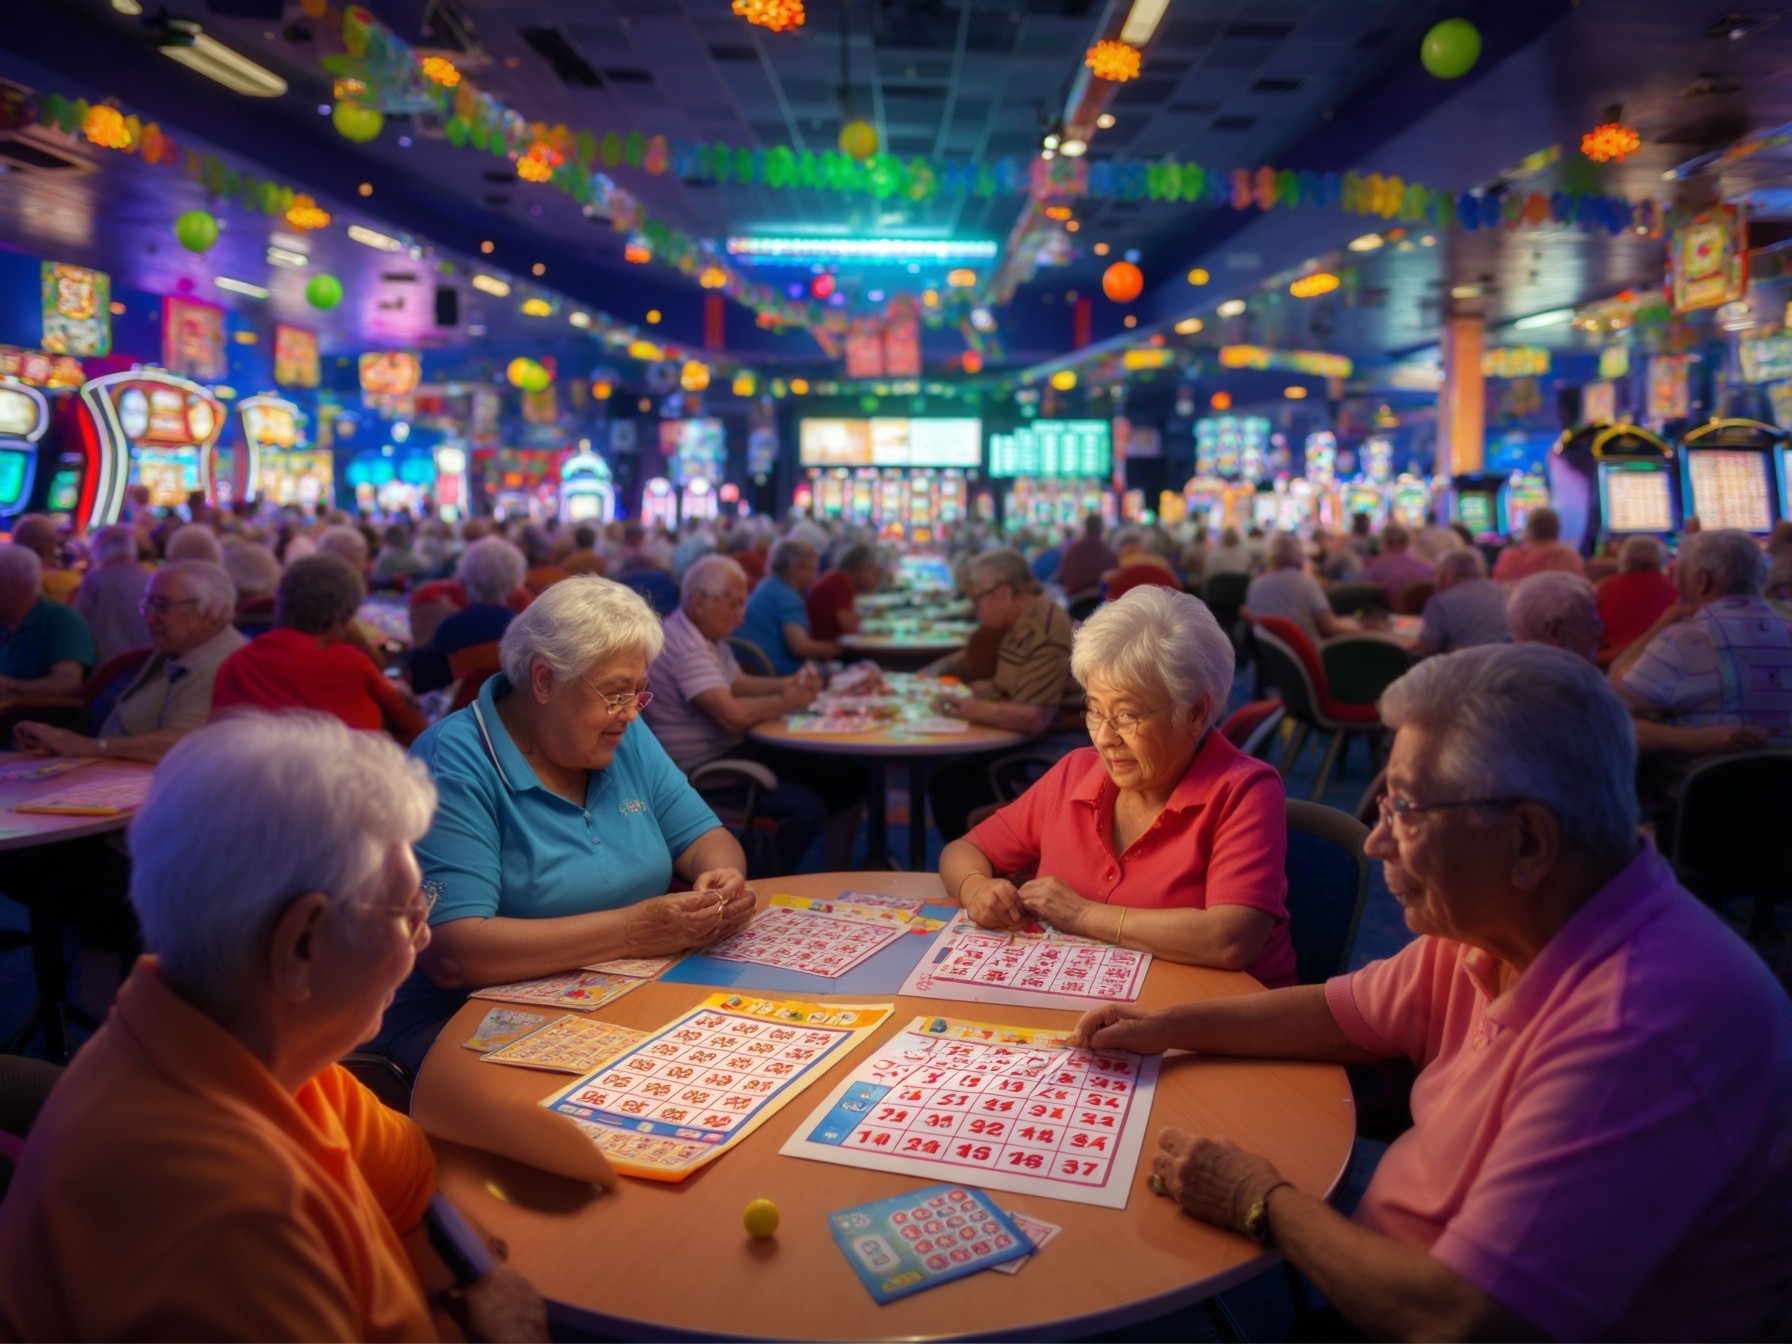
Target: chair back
(658, 588)
(471, 668)
(1225, 591)
(1141, 575)
(1413, 597)
(255, 617)
(1290, 665)
(24, 1088)
(1013, 774)
(1083, 606)
(1368, 807)
(1359, 668)
(1347, 598)
(115, 672)
(753, 660)
(1728, 839)
(1328, 879)
(1251, 727)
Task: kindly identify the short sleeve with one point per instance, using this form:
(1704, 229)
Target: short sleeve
(70, 640)
(685, 661)
(392, 1152)
(1387, 1007)
(682, 814)
(1013, 838)
(462, 853)
(1247, 863)
(1037, 675)
(1432, 633)
(1655, 678)
(1313, 597)
(790, 609)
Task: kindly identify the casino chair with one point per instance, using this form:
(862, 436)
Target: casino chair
(1729, 840)
(1124, 580)
(1294, 667)
(85, 712)
(1081, 606)
(1328, 881)
(1224, 596)
(1012, 775)
(1349, 598)
(255, 617)
(658, 588)
(1411, 599)
(740, 784)
(430, 604)
(381, 1074)
(753, 660)
(471, 668)
(1253, 726)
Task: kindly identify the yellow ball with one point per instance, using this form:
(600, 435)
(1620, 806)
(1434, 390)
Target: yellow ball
(760, 1219)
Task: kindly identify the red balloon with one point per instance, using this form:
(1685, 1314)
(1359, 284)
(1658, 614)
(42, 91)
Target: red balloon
(1123, 282)
(822, 286)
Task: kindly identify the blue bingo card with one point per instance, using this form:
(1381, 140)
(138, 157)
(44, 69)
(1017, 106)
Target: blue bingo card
(925, 1238)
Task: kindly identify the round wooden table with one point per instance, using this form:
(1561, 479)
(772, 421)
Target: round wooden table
(893, 744)
(653, 1260)
(904, 648)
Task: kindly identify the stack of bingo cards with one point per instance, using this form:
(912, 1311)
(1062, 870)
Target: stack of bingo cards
(918, 1241)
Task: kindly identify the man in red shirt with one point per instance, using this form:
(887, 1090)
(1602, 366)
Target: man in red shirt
(1632, 600)
(304, 663)
(830, 601)
(1542, 549)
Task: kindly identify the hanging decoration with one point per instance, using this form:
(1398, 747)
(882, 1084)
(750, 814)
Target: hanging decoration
(1113, 60)
(196, 230)
(1610, 142)
(528, 375)
(694, 376)
(305, 215)
(858, 140)
(777, 15)
(441, 70)
(1451, 48)
(532, 169)
(323, 292)
(1123, 282)
(822, 286)
(357, 122)
(105, 126)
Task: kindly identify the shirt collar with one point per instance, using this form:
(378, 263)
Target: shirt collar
(1213, 758)
(513, 767)
(1639, 892)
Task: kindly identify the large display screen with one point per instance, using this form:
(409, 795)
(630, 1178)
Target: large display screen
(888, 441)
(1053, 448)
(1730, 489)
(1635, 498)
(1474, 510)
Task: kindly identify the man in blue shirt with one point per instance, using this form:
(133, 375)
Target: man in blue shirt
(777, 620)
(47, 648)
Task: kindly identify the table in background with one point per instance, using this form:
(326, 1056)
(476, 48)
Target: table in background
(661, 1260)
(893, 744)
(30, 830)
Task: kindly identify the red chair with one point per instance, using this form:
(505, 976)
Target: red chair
(472, 667)
(1294, 668)
(1250, 727)
(1135, 576)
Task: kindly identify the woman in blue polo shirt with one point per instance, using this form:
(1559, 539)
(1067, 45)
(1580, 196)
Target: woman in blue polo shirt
(561, 819)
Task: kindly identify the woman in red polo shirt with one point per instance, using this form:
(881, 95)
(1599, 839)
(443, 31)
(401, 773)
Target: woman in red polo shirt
(1163, 836)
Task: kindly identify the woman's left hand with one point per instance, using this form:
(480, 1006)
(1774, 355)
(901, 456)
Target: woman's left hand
(1214, 1180)
(734, 898)
(1054, 902)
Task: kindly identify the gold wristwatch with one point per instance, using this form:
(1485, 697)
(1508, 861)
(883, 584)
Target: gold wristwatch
(1256, 1218)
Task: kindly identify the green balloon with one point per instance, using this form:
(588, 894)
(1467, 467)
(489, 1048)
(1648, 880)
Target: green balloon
(323, 291)
(357, 122)
(1451, 48)
(196, 231)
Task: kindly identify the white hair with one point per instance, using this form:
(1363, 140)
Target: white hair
(1554, 595)
(345, 543)
(255, 570)
(1286, 551)
(1464, 562)
(1729, 558)
(296, 803)
(213, 592)
(20, 567)
(114, 544)
(706, 575)
(1527, 721)
(790, 553)
(490, 569)
(1641, 553)
(576, 624)
(1004, 565)
(1155, 639)
(195, 541)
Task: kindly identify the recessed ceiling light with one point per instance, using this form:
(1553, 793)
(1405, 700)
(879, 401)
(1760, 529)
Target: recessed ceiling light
(1231, 308)
(491, 284)
(366, 189)
(1189, 326)
(1074, 148)
(538, 269)
(1367, 243)
(1105, 121)
(1465, 291)
(1294, 393)
(374, 238)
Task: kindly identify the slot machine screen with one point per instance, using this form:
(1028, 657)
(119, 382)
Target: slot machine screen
(1474, 511)
(1636, 499)
(1730, 490)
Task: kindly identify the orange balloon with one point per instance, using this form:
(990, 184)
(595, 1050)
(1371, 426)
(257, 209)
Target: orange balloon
(1123, 282)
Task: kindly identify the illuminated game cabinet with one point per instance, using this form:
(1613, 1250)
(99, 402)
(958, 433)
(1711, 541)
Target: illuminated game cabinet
(1525, 494)
(1727, 473)
(150, 428)
(1613, 480)
(24, 416)
(1475, 502)
(1409, 501)
(587, 490)
(289, 470)
(659, 504)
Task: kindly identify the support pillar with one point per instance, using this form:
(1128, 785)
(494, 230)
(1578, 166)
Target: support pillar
(1462, 404)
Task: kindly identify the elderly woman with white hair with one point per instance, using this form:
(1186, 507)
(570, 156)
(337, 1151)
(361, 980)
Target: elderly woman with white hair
(1558, 608)
(1162, 836)
(489, 571)
(1721, 656)
(562, 819)
(257, 1191)
(254, 569)
(1605, 1070)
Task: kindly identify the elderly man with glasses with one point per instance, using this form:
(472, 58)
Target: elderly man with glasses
(1599, 1130)
(1163, 836)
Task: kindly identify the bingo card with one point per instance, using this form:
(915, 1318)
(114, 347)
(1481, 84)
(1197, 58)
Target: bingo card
(566, 1045)
(1042, 969)
(818, 943)
(694, 1088)
(583, 990)
(1011, 1108)
(925, 1238)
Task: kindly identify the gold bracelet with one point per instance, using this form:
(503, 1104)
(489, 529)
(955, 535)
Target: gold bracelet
(963, 880)
(1120, 927)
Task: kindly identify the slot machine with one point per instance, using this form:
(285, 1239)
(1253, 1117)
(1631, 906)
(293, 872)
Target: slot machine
(1613, 480)
(862, 500)
(659, 504)
(1409, 502)
(289, 470)
(1525, 494)
(24, 419)
(953, 505)
(145, 427)
(1476, 501)
(587, 490)
(698, 499)
(1727, 472)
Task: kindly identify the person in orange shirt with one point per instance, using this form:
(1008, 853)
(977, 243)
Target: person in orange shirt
(1541, 550)
(205, 1169)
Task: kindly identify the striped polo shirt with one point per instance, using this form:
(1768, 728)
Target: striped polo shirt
(1730, 662)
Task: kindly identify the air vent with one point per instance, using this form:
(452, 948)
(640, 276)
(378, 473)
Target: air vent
(627, 76)
(730, 53)
(31, 156)
(1275, 86)
(399, 278)
(1259, 32)
(1234, 123)
(552, 46)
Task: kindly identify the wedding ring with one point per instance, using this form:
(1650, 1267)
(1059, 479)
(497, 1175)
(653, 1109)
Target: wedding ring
(1157, 1185)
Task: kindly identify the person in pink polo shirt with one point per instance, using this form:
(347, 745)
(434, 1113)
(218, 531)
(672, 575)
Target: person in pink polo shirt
(1599, 1143)
(1163, 836)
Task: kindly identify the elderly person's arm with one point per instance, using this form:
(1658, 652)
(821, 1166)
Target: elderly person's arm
(1013, 715)
(40, 739)
(805, 645)
(743, 706)
(1633, 652)
(64, 680)
(969, 878)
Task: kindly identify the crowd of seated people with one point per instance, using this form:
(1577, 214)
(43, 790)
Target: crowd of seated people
(1567, 1004)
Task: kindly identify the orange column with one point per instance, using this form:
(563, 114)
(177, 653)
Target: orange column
(1462, 405)
(714, 313)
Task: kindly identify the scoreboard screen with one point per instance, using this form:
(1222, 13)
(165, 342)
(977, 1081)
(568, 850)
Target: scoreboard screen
(1054, 448)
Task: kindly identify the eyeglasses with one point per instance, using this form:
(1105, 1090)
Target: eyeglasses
(993, 588)
(1397, 809)
(1126, 722)
(422, 905)
(161, 606)
(617, 704)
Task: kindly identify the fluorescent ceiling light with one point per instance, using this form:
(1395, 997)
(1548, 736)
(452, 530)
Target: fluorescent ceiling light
(863, 249)
(1231, 308)
(285, 256)
(131, 7)
(1074, 148)
(1465, 292)
(240, 287)
(1553, 318)
(490, 284)
(1143, 21)
(372, 238)
(581, 320)
(1367, 243)
(211, 58)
